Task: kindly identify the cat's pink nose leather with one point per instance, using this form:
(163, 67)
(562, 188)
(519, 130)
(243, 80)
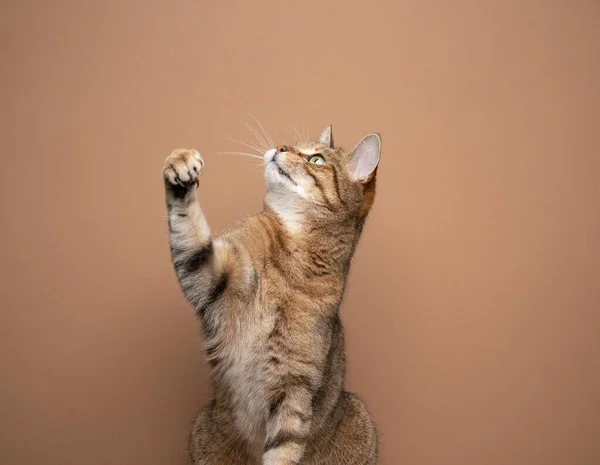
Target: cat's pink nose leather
(282, 148)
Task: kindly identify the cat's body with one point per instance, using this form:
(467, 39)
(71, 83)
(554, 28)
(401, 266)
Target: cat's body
(268, 295)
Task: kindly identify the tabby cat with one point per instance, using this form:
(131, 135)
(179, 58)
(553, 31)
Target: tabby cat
(268, 294)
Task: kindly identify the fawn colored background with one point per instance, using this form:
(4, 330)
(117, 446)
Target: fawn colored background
(472, 312)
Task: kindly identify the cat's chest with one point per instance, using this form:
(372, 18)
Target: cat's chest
(288, 325)
(268, 341)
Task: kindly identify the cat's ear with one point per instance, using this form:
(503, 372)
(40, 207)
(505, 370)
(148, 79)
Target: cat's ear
(327, 137)
(365, 158)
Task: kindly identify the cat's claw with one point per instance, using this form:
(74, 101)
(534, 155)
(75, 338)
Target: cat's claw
(183, 168)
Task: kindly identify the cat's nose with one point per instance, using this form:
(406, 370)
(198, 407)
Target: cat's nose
(282, 148)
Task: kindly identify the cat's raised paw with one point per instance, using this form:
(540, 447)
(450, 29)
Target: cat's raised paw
(183, 167)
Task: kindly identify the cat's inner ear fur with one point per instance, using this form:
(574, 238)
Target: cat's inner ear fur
(363, 160)
(326, 137)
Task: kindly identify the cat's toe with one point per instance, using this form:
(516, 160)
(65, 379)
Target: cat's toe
(183, 167)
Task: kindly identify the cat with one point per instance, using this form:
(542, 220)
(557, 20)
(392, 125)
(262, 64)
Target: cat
(268, 294)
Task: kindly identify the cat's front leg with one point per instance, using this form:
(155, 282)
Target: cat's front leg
(205, 268)
(189, 231)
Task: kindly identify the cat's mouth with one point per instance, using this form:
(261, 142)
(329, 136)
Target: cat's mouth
(283, 172)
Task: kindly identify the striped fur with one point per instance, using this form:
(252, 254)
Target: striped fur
(268, 294)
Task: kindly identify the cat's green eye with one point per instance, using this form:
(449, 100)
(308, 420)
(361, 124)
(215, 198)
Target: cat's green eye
(317, 160)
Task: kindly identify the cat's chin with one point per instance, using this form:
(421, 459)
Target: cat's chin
(276, 174)
(283, 173)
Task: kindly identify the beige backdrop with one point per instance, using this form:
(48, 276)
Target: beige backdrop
(472, 313)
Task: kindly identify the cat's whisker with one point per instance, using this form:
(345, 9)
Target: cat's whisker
(297, 134)
(250, 146)
(263, 130)
(305, 128)
(260, 141)
(256, 134)
(243, 154)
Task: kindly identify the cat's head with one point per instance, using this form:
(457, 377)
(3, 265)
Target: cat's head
(314, 181)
